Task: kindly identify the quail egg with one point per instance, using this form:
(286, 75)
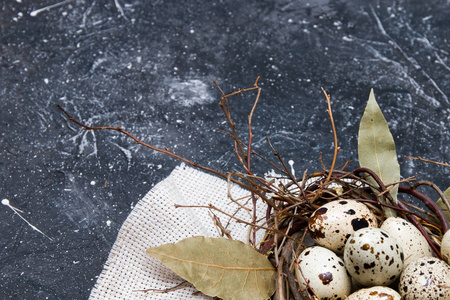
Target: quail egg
(413, 243)
(445, 247)
(425, 278)
(323, 271)
(333, 223)
(375, 293)
(373, 257)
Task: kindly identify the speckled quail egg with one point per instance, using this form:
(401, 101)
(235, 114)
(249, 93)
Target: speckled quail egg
(445, 247)
(426, 278)
(413, 242)
(375, 293)
(373, 257)
(333, 223)
(324, 272)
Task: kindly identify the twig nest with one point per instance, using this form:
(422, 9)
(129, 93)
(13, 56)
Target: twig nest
(375, 293)
(373, 257)
(445, 247)
(411, 240)
(425, 278)
(333, 223)
(322, 273)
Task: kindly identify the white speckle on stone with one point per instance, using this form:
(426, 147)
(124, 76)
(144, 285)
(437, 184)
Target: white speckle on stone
(189, 92)
(347, 39)
(108, 223)
(46, 80)
(291, 163)
(93, 182)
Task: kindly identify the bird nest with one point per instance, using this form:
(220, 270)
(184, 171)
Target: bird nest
(292, 201)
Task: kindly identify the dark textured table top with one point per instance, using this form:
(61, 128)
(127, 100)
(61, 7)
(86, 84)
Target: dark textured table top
(149, 66)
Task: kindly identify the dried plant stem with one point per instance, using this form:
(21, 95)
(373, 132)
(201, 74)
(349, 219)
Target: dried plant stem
(291, 201)
(400, 208)
(422, 230)
(218, 224)
(272, 164)
(165, 150)
(243, 157)
(429, 161)
(435, 187)
(428, 202)
(181, 285)
(286, 169)
(336, 147)
(210, 206)
(408, 190)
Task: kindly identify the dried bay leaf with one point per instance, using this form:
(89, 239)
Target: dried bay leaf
(219, 267)
(376, 148)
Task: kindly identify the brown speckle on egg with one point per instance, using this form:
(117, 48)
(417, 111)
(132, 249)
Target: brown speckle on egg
(363, 259)
(359, 223)
(365, 247)
(376, 292)
(326, 277)
(332, 224)
(323, 272)
(425, 278)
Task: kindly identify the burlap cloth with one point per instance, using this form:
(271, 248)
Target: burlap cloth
(155, 221)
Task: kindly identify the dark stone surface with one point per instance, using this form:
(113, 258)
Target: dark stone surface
(150, 70)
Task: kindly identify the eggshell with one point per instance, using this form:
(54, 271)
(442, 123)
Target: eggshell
(324, 272)
(375, 293)
(413, 243)
(373, 257)
(333, 223)
(445, 247)
(426, 278)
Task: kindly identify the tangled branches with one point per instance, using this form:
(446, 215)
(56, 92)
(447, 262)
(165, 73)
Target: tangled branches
(291, 201)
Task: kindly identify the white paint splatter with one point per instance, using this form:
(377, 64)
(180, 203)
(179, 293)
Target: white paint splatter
(34, 13)
(347, 39)
(125, 152)
(291, 163)
(120, 9)
(16, 211)
(190, 92)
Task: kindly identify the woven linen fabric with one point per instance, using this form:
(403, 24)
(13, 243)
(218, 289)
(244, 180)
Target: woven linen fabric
(155, 221)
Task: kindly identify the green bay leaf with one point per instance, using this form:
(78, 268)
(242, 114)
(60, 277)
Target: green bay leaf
(219, 267)
(376, 148)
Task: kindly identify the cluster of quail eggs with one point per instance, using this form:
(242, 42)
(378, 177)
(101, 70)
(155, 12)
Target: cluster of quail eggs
(355, 258)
